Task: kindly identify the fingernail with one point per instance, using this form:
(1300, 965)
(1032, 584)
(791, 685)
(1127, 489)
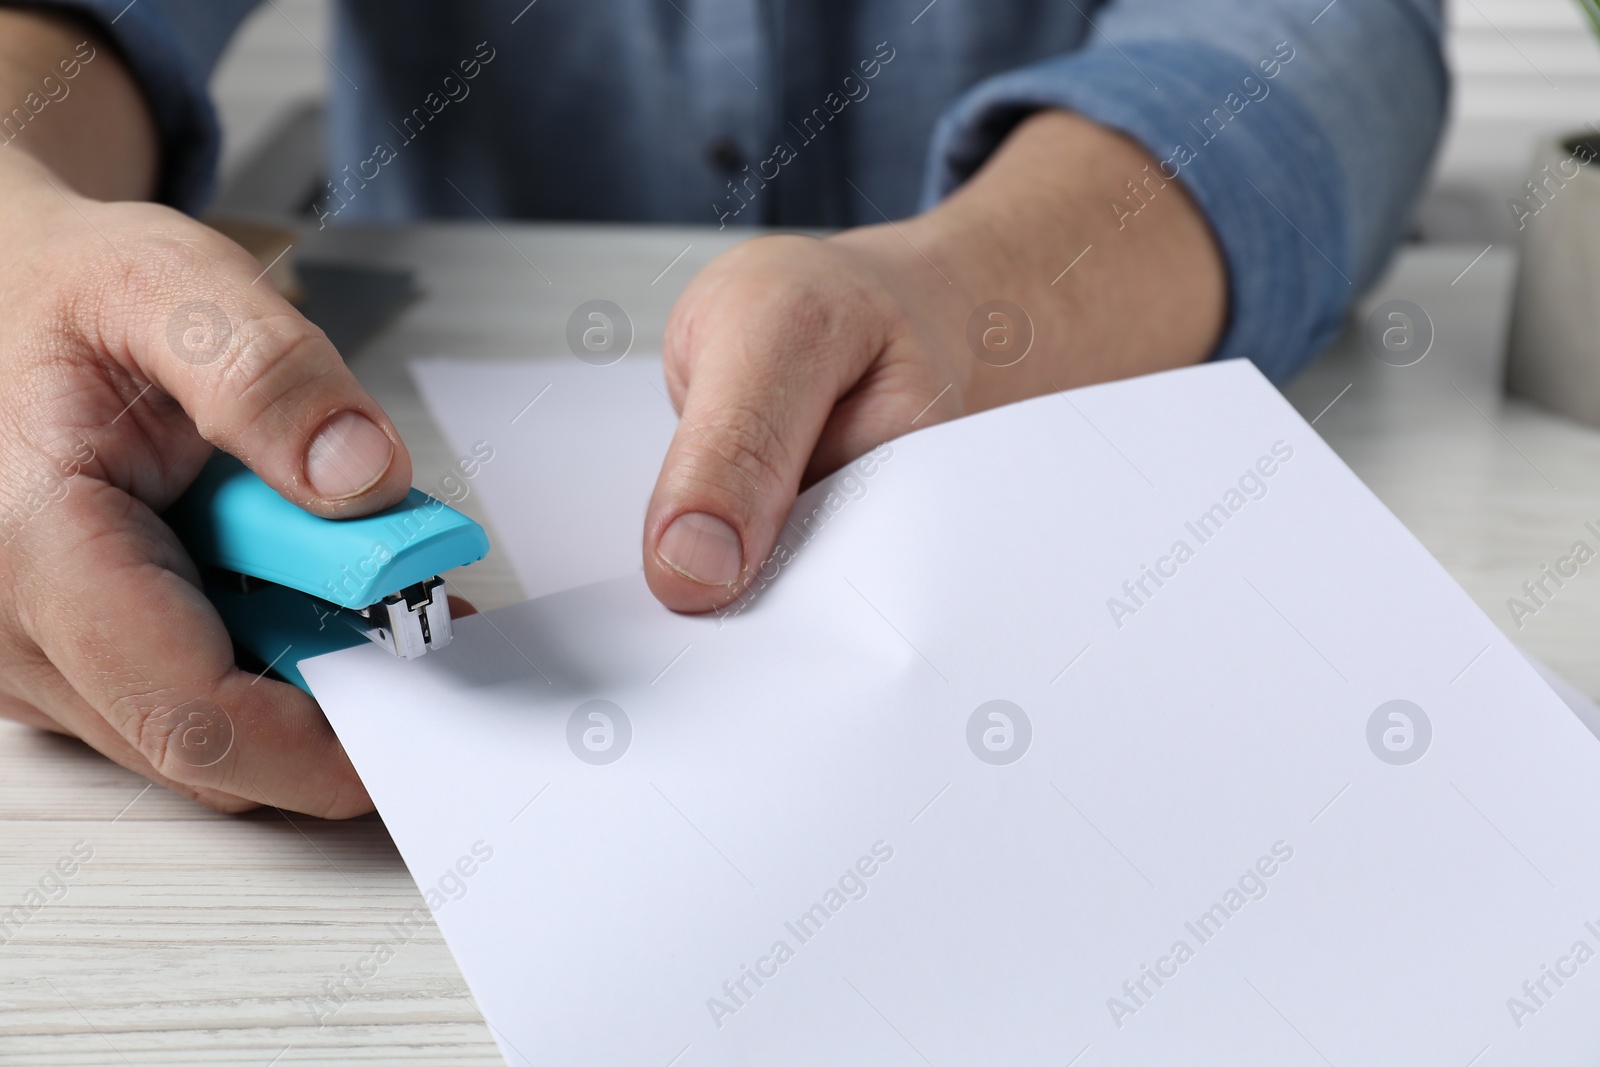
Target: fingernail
(348, 456)
(702, 548)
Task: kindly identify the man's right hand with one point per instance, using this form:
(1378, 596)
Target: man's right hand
(132, 340)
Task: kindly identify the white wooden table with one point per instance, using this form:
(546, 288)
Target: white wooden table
(193, 938)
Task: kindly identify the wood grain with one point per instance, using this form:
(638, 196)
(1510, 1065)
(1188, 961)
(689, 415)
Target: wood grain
(194, 938)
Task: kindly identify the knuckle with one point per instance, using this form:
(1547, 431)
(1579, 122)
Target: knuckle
(796, 329)
(173, 255)
(273, 361)
(748, 439)
(810, 306)
(802, 308)
(271, 354)
(179, 737)
(137, 715)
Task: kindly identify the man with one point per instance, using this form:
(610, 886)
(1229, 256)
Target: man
(1154, 182)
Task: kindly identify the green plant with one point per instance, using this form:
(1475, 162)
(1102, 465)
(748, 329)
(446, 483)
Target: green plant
(1592, 9)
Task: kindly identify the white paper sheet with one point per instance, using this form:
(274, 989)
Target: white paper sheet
(577, 450)
(1221, 769)
(574, 519)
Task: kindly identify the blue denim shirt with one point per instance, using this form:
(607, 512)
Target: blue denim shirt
(1303, 128)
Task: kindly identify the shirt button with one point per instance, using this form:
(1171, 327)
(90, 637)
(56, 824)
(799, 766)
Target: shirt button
(724, 154)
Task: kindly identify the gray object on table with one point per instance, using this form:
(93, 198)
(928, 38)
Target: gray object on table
(352, 302)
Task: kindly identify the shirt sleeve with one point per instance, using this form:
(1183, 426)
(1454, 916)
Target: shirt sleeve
(171, 46)
(1303, 129)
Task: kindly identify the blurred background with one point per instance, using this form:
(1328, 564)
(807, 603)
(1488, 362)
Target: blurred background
(1525, 70)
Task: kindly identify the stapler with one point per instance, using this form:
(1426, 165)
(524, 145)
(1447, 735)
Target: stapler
(290, 585)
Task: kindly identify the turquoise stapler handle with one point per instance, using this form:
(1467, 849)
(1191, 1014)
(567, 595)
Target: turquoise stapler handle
(290, 585)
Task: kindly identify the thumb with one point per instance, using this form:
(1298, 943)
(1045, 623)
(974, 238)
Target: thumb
(751, 415)
(255, 377)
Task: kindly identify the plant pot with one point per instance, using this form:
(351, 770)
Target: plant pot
(1553, 356)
